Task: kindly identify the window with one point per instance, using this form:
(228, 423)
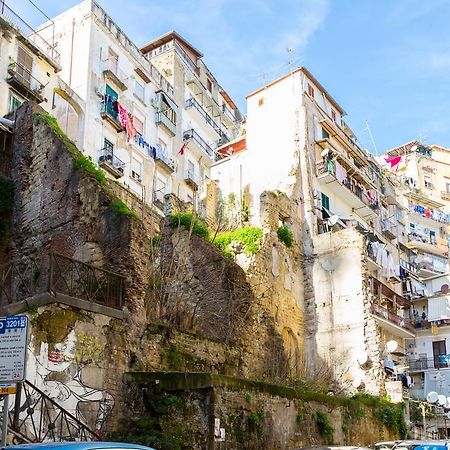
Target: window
(447, 188)
(209, 84)
(325, 134)
(136, 169)
(427, 181)
(138, 125)
(24, 66)
(163, 146)
(261, 101)
(432, 237)
(108, 145)
(191, 169)
(14, 102)
(113, 59)
(139, 90)
(412, 227)
(310, 91)
(325, 202)
(333, 115)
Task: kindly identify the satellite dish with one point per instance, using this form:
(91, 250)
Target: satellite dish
(357, 380)
(391, 346)
(432, 397)
(442, 400)
(333, 219)
(325, 152)
(414, 148)
(444, 288)
(448, 415)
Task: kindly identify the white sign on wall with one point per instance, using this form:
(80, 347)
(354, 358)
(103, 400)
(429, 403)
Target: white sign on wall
(13, 348)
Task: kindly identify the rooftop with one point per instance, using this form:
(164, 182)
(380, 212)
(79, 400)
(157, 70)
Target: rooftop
(167, 37)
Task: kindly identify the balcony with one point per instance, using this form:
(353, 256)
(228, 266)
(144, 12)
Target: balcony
(158, 200)
(108, 161)
(428, 265)
(445, 195)
(47, 48)
(191, 180)
(363, 202)
(111, 115)
(192, 136)
(21, 79)
(192, 103)
(163, 161)
(389, 229)
(426, 363)
(112, 72)
(391, 322)
(163, 118)
(424, 243)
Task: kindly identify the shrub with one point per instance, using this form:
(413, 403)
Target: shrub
(118, 207)
(323, 425)
(250, 237)
(285, 235)
(80, 162)
(185, 220)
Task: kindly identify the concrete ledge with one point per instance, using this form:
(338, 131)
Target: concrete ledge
(47, 298)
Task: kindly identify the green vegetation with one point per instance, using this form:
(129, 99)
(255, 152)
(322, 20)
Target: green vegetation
(250, 237)
(6, 205)
(155, 240)
(80, 162)
(248, 397)
(255, 420)
(285, 235)
(174, 358)
(184, 219)
(323, 425)
(118, 207)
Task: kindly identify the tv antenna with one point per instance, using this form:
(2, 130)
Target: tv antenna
(371, 137)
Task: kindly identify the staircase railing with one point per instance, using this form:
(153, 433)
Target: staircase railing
(38, 418)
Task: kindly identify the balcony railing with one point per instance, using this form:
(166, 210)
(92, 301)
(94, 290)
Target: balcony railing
(191, 179)
(384, 313)
(162, 118)
(192, 103)
(22, 79)
(325, 167)
(408, 266)
(58, 274)
(110, 113)
(193, 135)
(445, 195)
(168, 163)
(389, 228)
(111, 69)
(32, 35)
(110, 162)
(158, 199)
(436, 362)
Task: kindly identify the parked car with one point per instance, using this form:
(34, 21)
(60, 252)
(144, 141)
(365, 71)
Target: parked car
(85, 445)
(422, 445)
(385, 445)
(334, 447)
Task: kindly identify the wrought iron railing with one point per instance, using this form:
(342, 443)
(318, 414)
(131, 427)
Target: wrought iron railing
(17, 22)
(38, 418)
(81, 280)
(437, 362)
(192, 134)
(107, 155)
(391, 317)
(163, 118)
(112, 65)
(23, 75)
(161, 156)
(58, 274)
(192, 103)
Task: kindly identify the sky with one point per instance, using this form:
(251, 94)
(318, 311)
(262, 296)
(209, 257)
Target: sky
(387, 63)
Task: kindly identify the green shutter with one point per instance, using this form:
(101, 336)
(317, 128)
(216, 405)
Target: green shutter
(111, 92)
(325, 202)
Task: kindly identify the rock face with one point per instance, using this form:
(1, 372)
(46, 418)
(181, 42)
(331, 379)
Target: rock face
(184, 305)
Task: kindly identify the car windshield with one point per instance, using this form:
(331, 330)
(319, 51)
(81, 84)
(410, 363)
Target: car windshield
(430, 447)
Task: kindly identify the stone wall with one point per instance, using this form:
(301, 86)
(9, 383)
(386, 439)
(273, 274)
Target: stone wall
(170, 409)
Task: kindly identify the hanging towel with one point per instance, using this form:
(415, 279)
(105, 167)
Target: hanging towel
(341, 173)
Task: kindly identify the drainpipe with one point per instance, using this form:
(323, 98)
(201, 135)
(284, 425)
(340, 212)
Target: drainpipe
(70, 70)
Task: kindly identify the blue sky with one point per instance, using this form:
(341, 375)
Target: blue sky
(384, 61)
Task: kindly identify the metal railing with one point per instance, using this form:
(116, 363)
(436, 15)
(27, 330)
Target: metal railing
(38, 418)
(192, 134)
(421, 238)
(192, 103)
(163, 118)
(445, 195)
(108, 108)
(158, 198)
(388, 226)
(324, 167)
(112, 65)
(23, 75)
(107, 155)
(190, 175)
(408, 266)
(435, 362)
(29, 32)
(58, 274)
(391, 317)
(161, 156)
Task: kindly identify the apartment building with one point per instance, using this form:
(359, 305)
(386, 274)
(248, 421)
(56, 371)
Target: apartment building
(208, 116)
(29, 62)
(343, 214)
(129, 116)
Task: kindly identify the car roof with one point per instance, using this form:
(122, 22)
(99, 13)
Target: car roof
(85, 445)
